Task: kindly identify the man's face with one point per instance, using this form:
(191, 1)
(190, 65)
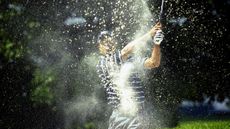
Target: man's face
(108, 44)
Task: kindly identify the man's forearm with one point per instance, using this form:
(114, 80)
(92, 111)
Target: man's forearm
(156, 55)
(144, 38)
(130, 47)
(147, 36)
(139, 42)
(154, 60)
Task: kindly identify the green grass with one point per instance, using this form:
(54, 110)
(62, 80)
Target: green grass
(203, 124)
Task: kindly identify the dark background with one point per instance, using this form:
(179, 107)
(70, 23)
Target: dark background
(43, 62)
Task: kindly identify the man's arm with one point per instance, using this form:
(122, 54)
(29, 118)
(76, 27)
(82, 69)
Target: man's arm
(154, 60)
(130, 47)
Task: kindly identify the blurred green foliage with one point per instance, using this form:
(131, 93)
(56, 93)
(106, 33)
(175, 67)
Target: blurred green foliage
(17, 28)
(89, 125)
(10, 47)
(11, 50)
(42, 84)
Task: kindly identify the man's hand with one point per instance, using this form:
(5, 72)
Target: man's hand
(158, 38)
(155, 29)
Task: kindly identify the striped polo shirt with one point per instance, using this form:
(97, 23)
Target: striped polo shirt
(110, 69)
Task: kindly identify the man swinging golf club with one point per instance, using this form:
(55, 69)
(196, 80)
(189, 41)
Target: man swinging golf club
(111, 62)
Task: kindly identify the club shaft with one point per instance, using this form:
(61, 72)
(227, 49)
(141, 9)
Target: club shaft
(162, 9)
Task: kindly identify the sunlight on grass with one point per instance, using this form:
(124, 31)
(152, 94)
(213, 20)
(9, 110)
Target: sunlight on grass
(203, 124)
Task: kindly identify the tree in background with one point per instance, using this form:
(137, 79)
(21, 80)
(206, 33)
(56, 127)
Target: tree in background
(22, 103)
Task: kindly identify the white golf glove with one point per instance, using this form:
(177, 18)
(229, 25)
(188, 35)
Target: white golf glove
(158, 38)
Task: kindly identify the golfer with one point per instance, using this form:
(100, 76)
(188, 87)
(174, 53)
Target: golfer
(122, 84)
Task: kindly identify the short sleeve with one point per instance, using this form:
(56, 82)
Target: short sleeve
(100, 68)
(117, 57)
(143, 61)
